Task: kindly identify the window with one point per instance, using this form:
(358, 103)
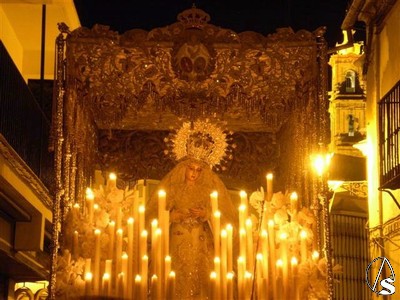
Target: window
(350, 82)
(389, 138)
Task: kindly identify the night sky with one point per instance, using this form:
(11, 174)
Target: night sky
(246, 15)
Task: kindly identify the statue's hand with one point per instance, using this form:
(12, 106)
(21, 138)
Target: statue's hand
(199, 212)
(177, 215)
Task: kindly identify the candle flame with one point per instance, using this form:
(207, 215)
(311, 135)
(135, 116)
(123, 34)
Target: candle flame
(229, 227)
(131, 220)
(141, 209)
(106, 276)
(168, 258)
(213, 275)
(248, 275)
(315, 255)
(229, 276)
(214, 194)
(264, 233)
(242, 194)
(171, 274)
(270, 176)
(279, 263)
(224, 233)
(271, 223)
(144, 233)
(88, 276)
(249, 222)
(217, 260)
(154, 223)
(120, 231)
(161, 193)
(284, 236)
(112, 176)
(240, 259)
(294, 261)
(242, 207)
(97, 231)
(293, 196)
(96, 206)
(138, 278)
(217, 214)
(124, 255)
(76, 205)
(259, 256)
(303, 234)
(145, 257)
(112, 223)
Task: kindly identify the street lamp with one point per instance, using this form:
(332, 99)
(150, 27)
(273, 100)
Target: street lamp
(321, 166)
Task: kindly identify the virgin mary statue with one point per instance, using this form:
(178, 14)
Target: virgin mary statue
(188, 187)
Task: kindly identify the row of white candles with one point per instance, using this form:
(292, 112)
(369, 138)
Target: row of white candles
(128, 278)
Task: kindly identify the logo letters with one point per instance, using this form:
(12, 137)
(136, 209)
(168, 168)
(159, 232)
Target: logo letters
(387, 287)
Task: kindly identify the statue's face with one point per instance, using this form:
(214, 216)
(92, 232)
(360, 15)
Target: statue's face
(193, 171)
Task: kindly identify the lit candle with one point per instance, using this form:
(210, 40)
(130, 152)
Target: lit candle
(213, 290)
(143, 244)
(144, 272)
(88, 283)
(130, 225)
(111, 233)
(118, 251)
(106, 284)
(250, 252)
(303, 245)
(265, 265)
(141, 218)
(124, 262)
(259, 276)
(243, 198)
(112, 180)
(119, 218)
(96, 275)
(294, 271)
(270, 190)
(214, 201)
(229, 231)
(137, 288)
(75, 244)
(248, 278)
(279, 278)
(315, 256)
(217, 226)
(158, 257)
(108, 268)
(293, 203)
(167, 264)
(154, 287)
(241, 262)
(120, 285)
(89, 204)
(285, 264)
(242, 243)
(161, 208)
(154, 244)
(223, 263)
(171, 285)
(271, 238)
(229, 279)
(217, 270)
(242, 215)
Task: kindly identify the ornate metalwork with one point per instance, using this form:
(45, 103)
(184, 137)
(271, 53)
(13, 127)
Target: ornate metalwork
(356, 188)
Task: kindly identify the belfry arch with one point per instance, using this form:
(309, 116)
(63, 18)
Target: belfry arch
(119, 95)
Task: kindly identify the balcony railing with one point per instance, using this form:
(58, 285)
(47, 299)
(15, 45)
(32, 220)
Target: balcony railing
(22, 120)
(389, 138)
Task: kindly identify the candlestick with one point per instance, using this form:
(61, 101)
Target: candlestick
(293, 203)
(242, 215)
(143, 244)
(229, 285)
(111, 232)
(242, 243)
(88, 283)
(250, 252)
(112, 180)
(171, 285)
(241, 262)
(137, 288)
(124, 268)
(154, 287)
(213, 290)
(243, 198)
(265, 264)
(144, 275)
(285, 265)
(89, 204)
(142, 210)
(105, 284)
(130, 249)
(223, 263)
(214, 201)
(270, 190)
(294, 284)
(229, 231)
(108, 268)
(248, 282)
(272, 251)
(118, 251)
(217, 226)
(161, 208)
(217, 270)
(96, 275)
(119, 218)
(75, 245)
(279, 278)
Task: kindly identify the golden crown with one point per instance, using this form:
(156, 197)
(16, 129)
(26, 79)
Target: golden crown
(201, 140)
(194, 18)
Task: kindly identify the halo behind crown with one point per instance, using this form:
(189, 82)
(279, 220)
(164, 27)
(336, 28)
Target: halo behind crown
(201, 140)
